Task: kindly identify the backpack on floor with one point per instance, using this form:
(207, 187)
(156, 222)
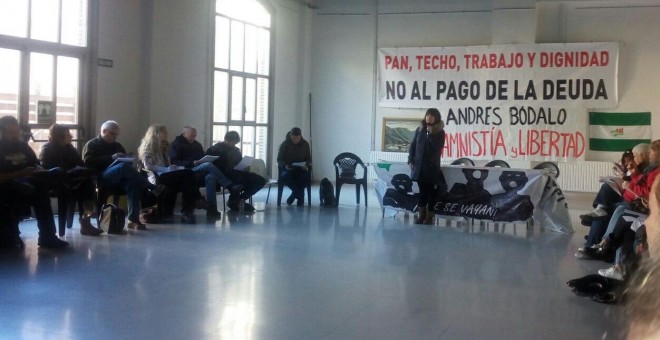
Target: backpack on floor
(327, 193)
(112, 219)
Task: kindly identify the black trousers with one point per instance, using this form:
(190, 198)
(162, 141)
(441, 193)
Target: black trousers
(607, 197)
(18, 194)
(183, 181)
(297, 180)
(252, 183)
(428, 194)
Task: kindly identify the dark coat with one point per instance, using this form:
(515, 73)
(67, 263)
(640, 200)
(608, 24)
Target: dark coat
(54, 155)
(229, 157)
(183, 153)
(15, 156)
(97, 154)
(290, 153)
(424, 154)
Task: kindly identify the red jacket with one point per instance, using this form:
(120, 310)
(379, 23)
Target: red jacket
(641, 183)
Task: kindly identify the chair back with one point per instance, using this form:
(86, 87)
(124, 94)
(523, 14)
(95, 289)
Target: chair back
(497, 164)
(463, 162)
(550, 167)
(345, 164)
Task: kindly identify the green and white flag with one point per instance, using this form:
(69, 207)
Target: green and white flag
(612, 133)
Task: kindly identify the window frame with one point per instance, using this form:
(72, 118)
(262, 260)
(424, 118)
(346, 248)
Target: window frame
(244, 75)
(26, 45)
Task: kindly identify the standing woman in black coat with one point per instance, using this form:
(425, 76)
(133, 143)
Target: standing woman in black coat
(424, 160)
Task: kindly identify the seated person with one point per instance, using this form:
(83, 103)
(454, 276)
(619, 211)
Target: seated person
(154, 159)
(608, 200)
(620, 211)
(185, 151)
(293, 150)
(229, 156)
(101, 153)
(59, 153)
(20, 187)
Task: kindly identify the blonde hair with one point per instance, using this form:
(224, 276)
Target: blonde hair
(151, 141)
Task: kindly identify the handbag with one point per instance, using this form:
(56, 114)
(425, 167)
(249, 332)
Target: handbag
(111, 219)
(637, 205)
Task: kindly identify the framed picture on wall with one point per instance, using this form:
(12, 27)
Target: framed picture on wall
(398, 133)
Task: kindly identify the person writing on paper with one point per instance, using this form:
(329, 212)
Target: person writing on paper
(608, 200)
(155, 161)
(294, 160)
(104, 153)
(59, 153)
(424, 160)
(19, 189)
(186, 151)
(229, 156)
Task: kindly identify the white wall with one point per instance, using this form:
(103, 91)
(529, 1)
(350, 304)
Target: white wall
(344, 33)
(119, 90)
(342, 88)
(161, 55)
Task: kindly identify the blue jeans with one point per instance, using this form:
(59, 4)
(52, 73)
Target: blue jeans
(212, 176)
(126, 177)
(616, 215)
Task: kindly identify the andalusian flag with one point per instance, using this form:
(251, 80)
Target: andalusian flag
(612, 133)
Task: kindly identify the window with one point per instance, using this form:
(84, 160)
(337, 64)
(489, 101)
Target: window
(43, 51)
(241, 74)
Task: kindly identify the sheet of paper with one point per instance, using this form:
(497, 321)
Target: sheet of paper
(245, 162)
(122, 159)
(299, 164)
(207, 159)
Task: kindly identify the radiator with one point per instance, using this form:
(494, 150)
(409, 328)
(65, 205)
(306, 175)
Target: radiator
(579, 176)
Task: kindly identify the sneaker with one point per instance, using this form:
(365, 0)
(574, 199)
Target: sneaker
(247, 207)
(290, 200)
(596, 214)
(52, 242)
(136, 225)
(612, 272)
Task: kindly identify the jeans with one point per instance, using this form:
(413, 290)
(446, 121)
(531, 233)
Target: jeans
(616, 215)
(211, 176)
(125, 176)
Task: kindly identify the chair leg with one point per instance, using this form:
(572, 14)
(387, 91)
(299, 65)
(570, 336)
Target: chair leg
(280, 188)
(268, 194)
(337, 191)
(309, 195)
(70, 212)
(364, 185)
(224, 201)
(357, 193)
(62, 211)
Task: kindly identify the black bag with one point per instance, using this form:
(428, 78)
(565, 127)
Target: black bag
(327, 193)
(638, 206)
(112, 219)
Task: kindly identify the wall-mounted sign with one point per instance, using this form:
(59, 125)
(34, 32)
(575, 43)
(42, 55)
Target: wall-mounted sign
(45, 112)
(105, 62)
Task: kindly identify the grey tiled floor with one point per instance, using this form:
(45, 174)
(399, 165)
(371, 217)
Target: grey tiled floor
(303, 273)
